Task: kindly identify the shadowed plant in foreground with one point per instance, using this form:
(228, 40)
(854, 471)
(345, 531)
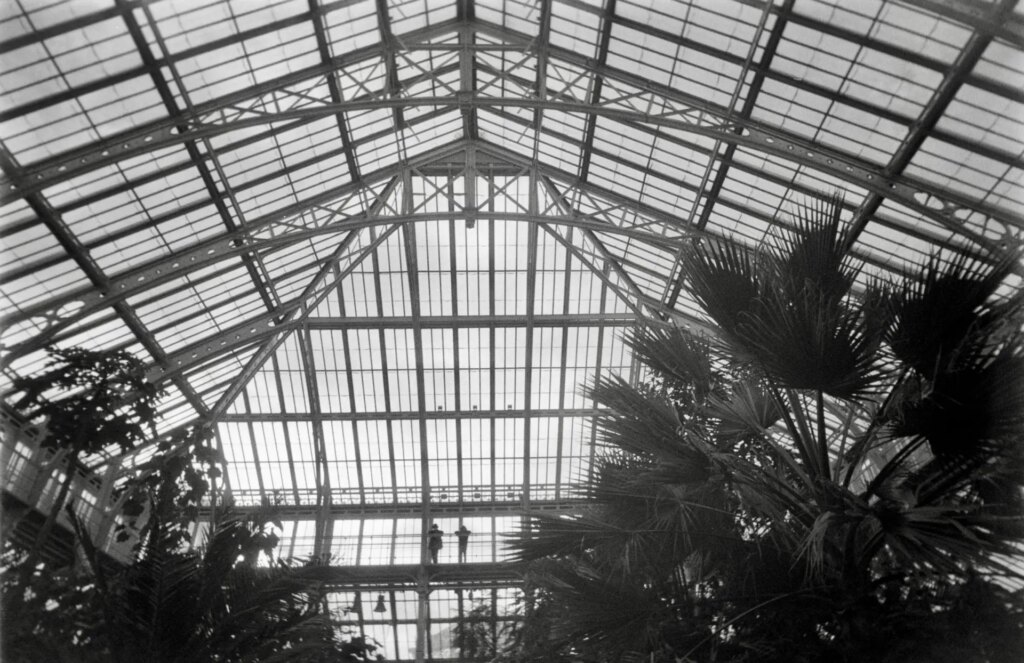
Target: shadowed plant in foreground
(835, 473)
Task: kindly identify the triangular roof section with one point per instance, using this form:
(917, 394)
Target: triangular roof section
(224, 199)
(465, 251)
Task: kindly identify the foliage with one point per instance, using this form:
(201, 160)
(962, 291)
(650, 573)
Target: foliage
(472, 633)
(172, 605)
(90, 399)
(836, 474)
(160, 499)
(56, 618)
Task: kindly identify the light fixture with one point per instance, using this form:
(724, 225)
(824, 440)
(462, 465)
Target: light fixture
(380, 607)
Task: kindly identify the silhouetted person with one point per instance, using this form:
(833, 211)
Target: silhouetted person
(434, 541)
(463, 535)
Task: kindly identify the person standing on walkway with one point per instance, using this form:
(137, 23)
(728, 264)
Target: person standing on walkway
(434, 542)
(463, 535)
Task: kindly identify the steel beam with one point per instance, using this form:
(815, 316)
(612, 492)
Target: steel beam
(387, 38)
(385, 383)
(531, 295)
(562, 373)
(567, 208)
(601, 274)
(156, 134)
(259, 328)
(408, 510)
(929, 116)
(169, 268)
(253, 266)
(323, 476)
(412, 577)
(76, 23)
(711, 195)
(930, 201)
(317, 17)
(465, 11)
(924, 202)
(272, 232)
(453, 283)
(239, 333)
(70, 243)
(466, 321)
(492, 373)
(415, 415)
(607, 18)
(311, 296)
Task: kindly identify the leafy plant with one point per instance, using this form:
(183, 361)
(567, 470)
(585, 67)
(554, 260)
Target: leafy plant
(88, 401)
(172, 605)
(472, 633)
(161, 497)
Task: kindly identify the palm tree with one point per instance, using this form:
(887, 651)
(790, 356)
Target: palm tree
(837, 472)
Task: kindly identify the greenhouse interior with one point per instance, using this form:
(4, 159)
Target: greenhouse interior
(694, 326)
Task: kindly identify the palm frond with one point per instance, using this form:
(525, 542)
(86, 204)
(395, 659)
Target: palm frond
(839, 458)
(173, 606)
(813, 255)
(542, 535)
(745, 413)
(977, 400)
(725, 281)
(808, 342)
(610, 618)
(644, 424)
(934, 316)
(940, 539)
(676, 354)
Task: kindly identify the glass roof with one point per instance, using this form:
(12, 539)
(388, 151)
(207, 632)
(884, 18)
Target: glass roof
(382, 243)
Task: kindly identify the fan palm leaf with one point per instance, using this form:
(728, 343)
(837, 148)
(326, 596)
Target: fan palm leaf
(644, 424)
(978, 399)
(746, 413)
(813, 253)
(838, 457)
(679, 356)
(935, 315)
(808, 342)
(610, 618)
(724, 280)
